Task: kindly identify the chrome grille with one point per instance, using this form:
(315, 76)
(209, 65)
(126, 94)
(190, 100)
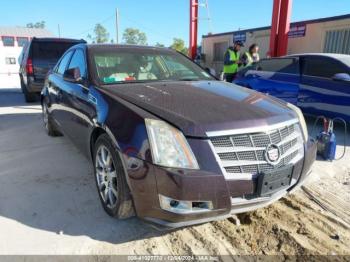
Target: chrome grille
(244, 154)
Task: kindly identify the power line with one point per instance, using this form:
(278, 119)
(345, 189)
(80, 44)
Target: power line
(149, 29)
(92, 28)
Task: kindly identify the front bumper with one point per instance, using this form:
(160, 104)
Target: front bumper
(148, 181)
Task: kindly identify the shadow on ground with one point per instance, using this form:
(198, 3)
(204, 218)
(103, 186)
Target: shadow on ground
(45, 183)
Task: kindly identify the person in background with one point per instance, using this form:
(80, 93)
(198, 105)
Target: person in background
(232, 61)
(252, 56)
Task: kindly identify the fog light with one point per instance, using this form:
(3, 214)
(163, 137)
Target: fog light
(184, 207)
(174, 203)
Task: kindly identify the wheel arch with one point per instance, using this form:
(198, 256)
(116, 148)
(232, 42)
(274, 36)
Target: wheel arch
(98, 131)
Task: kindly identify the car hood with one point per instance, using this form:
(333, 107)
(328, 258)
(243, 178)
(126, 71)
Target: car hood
(199, 107)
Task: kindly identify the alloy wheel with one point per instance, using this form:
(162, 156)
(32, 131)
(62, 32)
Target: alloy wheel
(106, 176)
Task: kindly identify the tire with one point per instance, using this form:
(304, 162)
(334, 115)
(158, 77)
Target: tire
(48, 122)
(28, 97)
(110, 178)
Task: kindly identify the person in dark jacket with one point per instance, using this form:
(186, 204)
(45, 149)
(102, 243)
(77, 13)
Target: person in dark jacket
(232, 61)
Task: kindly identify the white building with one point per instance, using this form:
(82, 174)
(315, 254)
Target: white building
(328, 35)
(12, 40)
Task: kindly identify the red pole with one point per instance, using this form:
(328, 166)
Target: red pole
(193, 28)
(283, 28)
(274, 27)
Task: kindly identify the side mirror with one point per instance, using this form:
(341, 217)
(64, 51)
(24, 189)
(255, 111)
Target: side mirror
(343, 77)
(73, 75)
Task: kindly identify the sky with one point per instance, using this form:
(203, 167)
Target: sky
(161, 20)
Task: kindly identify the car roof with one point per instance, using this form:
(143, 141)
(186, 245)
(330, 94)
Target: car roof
(56, 39)
(332, 55)
(126, 46)
(341, 57)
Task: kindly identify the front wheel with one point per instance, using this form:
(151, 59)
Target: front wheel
(110, 179)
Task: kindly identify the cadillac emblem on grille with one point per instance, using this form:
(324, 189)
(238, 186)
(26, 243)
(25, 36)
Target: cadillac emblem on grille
(272, 154)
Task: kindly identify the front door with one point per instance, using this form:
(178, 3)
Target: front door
(319, 93)
(278, 77)
(77, 104)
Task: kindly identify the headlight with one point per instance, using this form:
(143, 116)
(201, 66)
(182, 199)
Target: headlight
(169, 146)
(301, 120)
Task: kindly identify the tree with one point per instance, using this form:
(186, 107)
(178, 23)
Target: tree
(159, 45)
(100, 34)
(89, 37)
(40, 24)
(179, 45)
(134, 36)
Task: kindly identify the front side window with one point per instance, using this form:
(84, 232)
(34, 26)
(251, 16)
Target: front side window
(322, 67)
(8, 40)
(145, 65)
(78, 60)
(63, 63)
(279, 65)
(22, 41)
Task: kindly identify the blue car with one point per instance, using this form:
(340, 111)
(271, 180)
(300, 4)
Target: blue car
(317, 83)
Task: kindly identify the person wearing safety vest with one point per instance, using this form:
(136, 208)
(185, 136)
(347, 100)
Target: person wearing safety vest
(251, 56)
(232, 61)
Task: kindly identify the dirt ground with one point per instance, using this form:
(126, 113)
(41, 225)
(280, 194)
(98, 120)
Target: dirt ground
(49, 205)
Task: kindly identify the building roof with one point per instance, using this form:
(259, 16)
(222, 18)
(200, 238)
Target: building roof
(24, 31)
(313, 21)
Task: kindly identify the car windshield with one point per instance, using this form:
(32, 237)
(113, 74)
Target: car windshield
(121, 66)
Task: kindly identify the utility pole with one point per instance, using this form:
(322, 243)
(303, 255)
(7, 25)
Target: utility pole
(193, 28)
(59, 30)
(117, 25)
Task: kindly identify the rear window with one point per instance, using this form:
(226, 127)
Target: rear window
(322, 67)
(49, 51)
(280, 65)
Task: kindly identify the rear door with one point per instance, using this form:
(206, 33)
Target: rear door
(279, 77)
(45, 54)
(319, 93)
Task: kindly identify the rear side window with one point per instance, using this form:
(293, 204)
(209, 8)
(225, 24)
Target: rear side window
(49, 51)
(280, 65)
(64, 62)
(78, 60)
(322, 67)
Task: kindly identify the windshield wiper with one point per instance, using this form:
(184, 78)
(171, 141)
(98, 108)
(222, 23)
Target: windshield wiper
(188, 79)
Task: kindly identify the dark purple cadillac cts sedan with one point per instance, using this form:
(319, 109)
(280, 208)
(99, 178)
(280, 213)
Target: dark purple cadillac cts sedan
(168, 141)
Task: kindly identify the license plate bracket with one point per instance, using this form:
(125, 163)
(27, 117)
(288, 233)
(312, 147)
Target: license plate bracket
(273, 181)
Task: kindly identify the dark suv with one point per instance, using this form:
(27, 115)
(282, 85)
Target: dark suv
(36, 59)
